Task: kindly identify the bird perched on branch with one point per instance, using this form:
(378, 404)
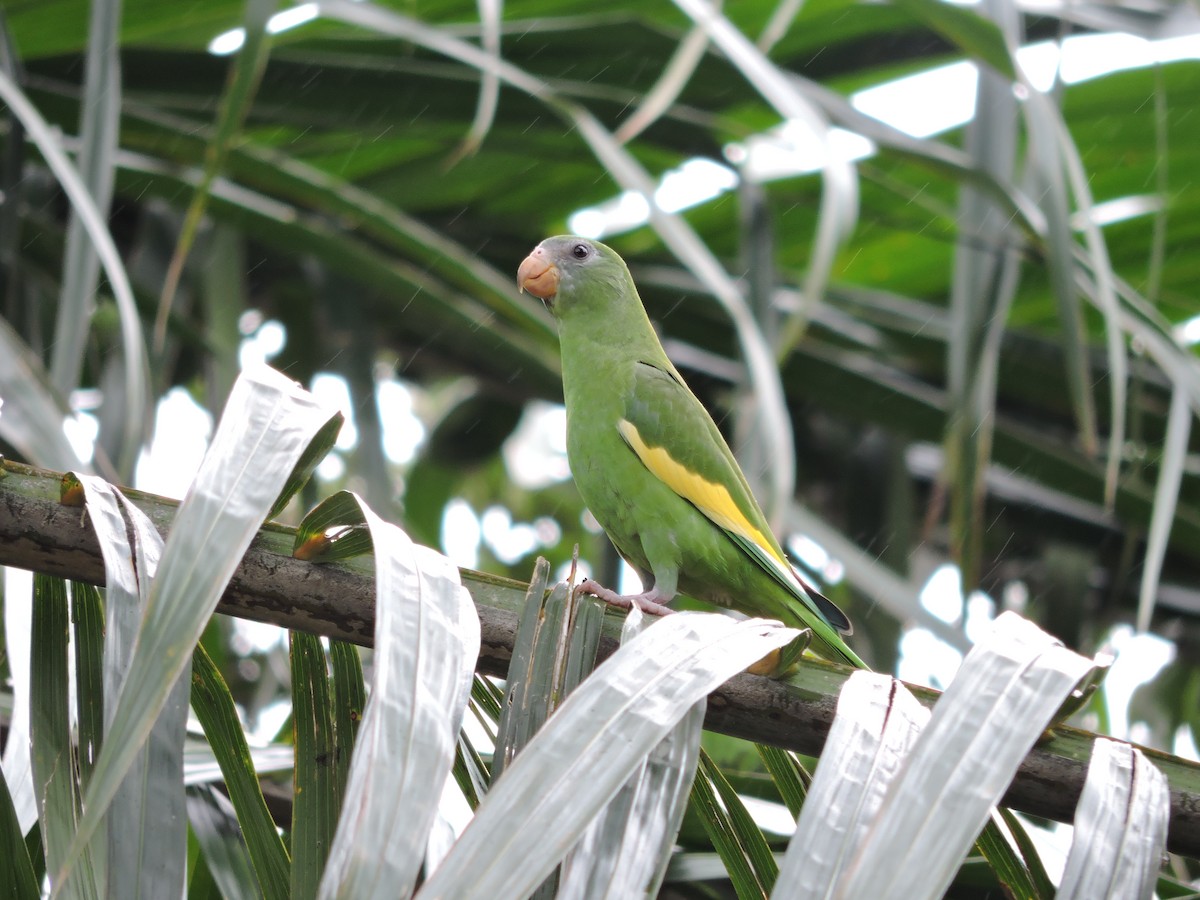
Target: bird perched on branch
(650, 462)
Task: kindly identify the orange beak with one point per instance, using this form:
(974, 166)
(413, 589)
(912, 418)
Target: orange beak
(538, 275)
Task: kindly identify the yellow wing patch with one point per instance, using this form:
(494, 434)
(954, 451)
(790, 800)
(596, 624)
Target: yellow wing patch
(712, 499)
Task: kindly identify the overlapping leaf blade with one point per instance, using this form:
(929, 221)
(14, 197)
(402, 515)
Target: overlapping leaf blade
(585, 752)
(147, 819)
(963, 760)
(268, 423)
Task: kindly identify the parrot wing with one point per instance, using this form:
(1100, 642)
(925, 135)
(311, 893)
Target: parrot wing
(676, 439)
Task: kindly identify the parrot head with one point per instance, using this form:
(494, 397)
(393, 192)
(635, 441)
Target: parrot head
(559, 267)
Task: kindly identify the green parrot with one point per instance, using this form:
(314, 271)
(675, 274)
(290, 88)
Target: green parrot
(650, 462)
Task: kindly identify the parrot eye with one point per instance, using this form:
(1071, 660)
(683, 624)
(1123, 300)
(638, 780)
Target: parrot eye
(581, 251)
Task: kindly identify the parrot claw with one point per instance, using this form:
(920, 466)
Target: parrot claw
(648, 602)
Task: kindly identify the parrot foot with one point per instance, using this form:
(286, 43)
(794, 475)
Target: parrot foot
(649, 602)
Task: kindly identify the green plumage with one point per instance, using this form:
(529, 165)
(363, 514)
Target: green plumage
(638, 439)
